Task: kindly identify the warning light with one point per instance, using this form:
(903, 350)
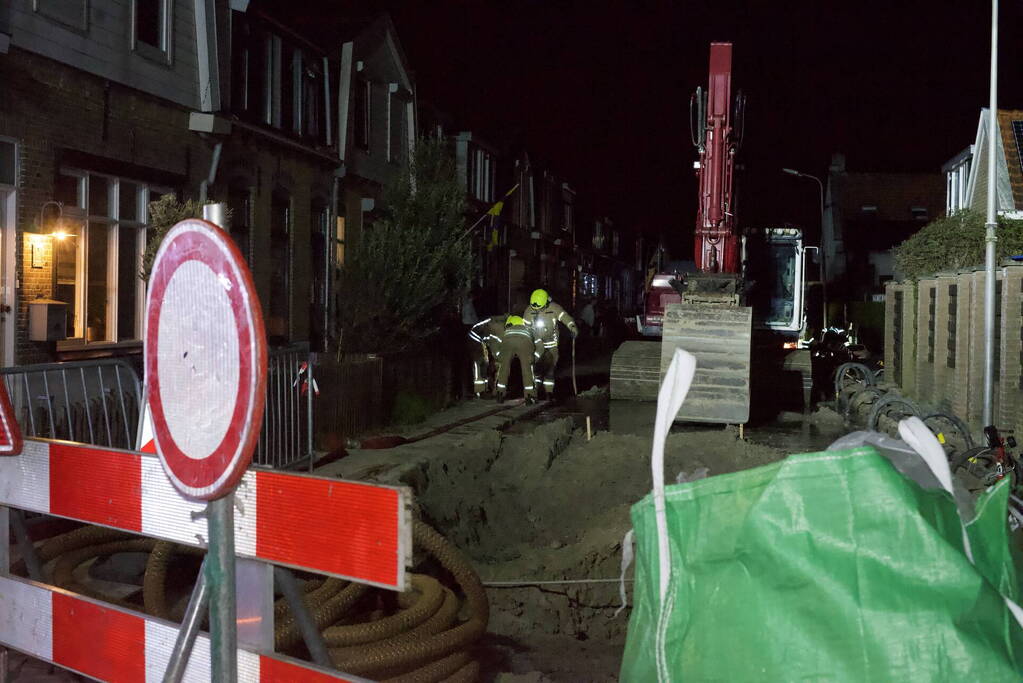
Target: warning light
(790, 345)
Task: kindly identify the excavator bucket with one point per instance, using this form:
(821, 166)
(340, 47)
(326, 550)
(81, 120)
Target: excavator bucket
(720, 338)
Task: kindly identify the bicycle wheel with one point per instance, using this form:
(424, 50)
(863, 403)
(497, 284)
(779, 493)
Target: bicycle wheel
(895, 407)
(954, 431)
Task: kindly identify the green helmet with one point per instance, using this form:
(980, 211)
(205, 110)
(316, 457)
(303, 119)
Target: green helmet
(514, 320)
(539, 298)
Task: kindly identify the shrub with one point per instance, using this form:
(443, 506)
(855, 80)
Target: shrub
(955, 242)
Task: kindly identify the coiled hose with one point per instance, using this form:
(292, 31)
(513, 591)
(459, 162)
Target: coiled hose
(420, 643)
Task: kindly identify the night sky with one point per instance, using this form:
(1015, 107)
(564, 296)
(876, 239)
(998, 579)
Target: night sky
(601, 90)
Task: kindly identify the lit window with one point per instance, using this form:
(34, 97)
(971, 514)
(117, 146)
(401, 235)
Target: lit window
(98, 254)
(72, 13)
(151, 28)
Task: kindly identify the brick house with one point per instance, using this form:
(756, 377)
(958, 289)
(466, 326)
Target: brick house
(109, 105)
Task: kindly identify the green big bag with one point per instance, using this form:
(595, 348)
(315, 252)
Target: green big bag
(826, 566)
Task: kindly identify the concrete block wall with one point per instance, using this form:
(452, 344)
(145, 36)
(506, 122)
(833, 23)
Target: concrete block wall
(975, 398)
(1010, 398)
(946, 317)
(926, 339)
(965, 321)
(900, 335)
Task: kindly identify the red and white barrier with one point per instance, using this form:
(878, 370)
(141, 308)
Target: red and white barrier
(112, 644)
(351, 530)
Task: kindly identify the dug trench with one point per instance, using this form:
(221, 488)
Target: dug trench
(541, 511)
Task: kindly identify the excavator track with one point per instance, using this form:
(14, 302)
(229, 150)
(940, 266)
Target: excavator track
(719, 336)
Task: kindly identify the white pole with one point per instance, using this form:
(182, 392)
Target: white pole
(991, 237)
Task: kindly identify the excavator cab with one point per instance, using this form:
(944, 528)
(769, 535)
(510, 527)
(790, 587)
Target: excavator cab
(775, 261)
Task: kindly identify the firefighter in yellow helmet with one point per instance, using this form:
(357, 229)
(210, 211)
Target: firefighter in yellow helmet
(517, 342)
(485, 341)
(543, 316)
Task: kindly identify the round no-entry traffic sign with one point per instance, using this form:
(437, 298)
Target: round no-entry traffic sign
(205, 356)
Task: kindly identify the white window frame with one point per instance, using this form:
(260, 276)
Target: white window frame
(83, 218)
(164, 52)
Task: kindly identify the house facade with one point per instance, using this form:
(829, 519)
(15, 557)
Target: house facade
(865, 215)
(110, 105)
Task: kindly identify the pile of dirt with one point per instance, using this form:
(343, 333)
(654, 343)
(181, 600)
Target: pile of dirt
(548, 505)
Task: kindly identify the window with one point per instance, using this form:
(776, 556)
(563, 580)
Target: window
(239, 201)
(919, 213)
(275, 82)
(98, 254)
(311, 110)
(340, 240)
(363, 110)
(71, 13)
(151, 28)
(279, 324)
(480, 173)
(8, 163)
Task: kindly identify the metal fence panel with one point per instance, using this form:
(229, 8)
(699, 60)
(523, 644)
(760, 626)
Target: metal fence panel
(285, 440)
(94, 401)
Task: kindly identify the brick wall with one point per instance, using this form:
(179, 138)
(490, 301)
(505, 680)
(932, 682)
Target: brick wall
(49, 107)
(966, 319)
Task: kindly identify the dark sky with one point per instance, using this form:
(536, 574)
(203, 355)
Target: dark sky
(601, 90)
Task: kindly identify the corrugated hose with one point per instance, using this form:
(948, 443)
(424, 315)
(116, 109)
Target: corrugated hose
(422, 641)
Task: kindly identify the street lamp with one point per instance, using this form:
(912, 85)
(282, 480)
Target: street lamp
(823, 249)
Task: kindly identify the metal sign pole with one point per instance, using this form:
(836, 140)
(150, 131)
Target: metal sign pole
(220, 574)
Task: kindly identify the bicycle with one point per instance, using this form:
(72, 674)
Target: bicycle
(983, 466)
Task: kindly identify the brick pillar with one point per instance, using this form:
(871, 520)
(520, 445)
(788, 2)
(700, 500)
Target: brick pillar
(926, 338)
(946, 317)
(1010, 397)
(961, 375)
(900, 336)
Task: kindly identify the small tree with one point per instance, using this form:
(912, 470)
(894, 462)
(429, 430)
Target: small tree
(164, 214)
(954, 242)
(410, 269)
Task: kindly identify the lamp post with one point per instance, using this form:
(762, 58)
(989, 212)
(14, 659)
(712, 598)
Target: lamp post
(823, 249)
(991, 236)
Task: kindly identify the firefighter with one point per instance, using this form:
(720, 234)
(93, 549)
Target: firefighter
(543, 316)
(517, 342)
(485, 341)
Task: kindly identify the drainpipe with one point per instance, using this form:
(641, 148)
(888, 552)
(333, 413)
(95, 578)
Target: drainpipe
(991, 237)
(212, 177)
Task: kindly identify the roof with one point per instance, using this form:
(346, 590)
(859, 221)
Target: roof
(1012, 135)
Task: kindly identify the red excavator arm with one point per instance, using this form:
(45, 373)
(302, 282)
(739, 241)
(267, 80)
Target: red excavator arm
(716, 129)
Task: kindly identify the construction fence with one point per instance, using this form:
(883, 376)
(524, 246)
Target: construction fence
(934, 343)
(313, 401)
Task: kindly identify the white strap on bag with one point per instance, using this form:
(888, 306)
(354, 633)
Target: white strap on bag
(915, 433)
(673, 392)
